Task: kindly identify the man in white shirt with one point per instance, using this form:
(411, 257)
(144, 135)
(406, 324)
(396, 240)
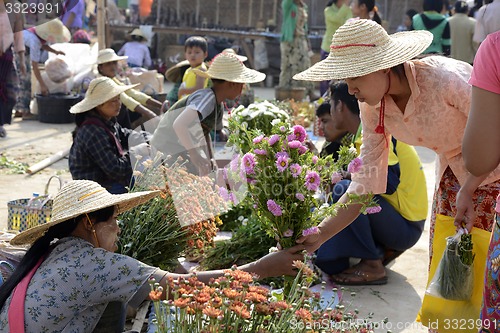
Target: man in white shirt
(487, 20)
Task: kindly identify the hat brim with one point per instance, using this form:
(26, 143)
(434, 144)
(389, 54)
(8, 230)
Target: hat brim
(173, 74)
(123, 201)
(246, 75)
(88, 104)
(114, 58)
(63, 37)
(362, 60)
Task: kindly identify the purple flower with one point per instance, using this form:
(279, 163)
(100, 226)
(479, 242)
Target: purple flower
(310, 231)
(312, 180)
(281, 154)
(295, 169)
(314, 159)
(355, 165)
(273, 139)
(258, 139)
(260, 151)
(373, 210)
(294, 144)
(300, 196)
(224, 194)
(234, 163)
(274, 208)
(248, 162)
(336, 177)
(288, 233)
(299, 133)
(282, 128)
(302, 149)
(282, 163)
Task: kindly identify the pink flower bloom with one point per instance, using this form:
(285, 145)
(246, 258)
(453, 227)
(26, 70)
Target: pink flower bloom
(258, 139)
(273, 139)
(282, 154)
(299, 133)
(288, 233)
(282, 163)
(312, 180)
(314, 159)
(282, 128)
(224, 194)
(355, 165)
(294, 144)
(274, 208)
(248, 162)
(373, 210)
(303, 149)
(300, 196)
(310, 231)
(260, 151)
(295, 169)
(235, 162)
(336, 177)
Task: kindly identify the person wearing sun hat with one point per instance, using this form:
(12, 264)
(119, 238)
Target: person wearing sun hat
(185, 128)
(136, 50)
(70, 272)
(37, 41)
(422, 102)
(100, 145)
(132, 99)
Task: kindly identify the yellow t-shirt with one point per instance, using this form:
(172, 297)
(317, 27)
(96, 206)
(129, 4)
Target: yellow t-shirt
(410, 197)
(189, 78)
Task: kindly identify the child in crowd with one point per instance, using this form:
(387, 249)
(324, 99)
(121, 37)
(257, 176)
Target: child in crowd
(184, 129)
(136, 50)
(195, 51)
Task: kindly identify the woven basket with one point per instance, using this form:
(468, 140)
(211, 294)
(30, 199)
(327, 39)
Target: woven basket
(21, 216)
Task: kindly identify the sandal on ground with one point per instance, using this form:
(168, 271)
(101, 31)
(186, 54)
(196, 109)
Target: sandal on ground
(359, 278)
(390, 255)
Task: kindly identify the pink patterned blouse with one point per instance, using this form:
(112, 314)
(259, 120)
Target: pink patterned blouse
(435, 117)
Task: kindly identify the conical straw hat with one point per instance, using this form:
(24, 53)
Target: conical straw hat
(53, 31)
(228, 67)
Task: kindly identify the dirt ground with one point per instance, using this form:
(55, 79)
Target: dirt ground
(31, 141)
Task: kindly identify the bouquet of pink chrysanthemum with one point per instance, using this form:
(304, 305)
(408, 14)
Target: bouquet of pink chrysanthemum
(287, 182)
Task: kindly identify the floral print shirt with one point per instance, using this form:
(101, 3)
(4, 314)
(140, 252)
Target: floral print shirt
(73, 285)
(435, 117)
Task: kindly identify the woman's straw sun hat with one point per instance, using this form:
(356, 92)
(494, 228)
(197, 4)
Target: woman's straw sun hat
(173, 74)
(228, 67)
(108, 55)
(232, 51)
(361, 47)
(99, 92)
(139, 33)
(79, 197)
(53, 31)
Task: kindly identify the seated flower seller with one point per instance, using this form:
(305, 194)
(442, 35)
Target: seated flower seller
(100, 145)
(70, 273)
(132, 99)
(380, 237)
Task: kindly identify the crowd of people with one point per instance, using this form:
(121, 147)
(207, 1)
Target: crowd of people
(386, 93)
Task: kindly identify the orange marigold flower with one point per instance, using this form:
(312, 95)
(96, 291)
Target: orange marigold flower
(240, 310)
(155, 295)
(199, 243)
(217, 302)
(255, 297)
(258, 289)
(182, 302)
(202, 298)
(231, 294)
(280, 305)
(263, 309)
(303, 314)
(213, 312)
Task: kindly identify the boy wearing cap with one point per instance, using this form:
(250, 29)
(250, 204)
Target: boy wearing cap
(184, 129)
(134, 100)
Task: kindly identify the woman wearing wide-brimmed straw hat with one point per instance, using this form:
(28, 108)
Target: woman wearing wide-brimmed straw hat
(100, 144)
(37, 41)
(185, 128)
(136, 50)
(70, 273)
(136, 101)
(421, 102)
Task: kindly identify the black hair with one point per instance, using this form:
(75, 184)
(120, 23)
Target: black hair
(137, 38)
(196, 41)
(331, 2)
(370, 6)
(411, 12)
(41, 246)
(433, 5)
(461, 7)
(340, 92)
(81, 117)
(324, 108)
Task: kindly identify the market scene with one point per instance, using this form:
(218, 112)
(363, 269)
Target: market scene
(249, 166)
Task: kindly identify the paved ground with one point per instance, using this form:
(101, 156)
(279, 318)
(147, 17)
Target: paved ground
(399, 300)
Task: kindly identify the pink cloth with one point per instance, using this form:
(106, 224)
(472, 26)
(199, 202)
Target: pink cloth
(435, 117)
(486, 72)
